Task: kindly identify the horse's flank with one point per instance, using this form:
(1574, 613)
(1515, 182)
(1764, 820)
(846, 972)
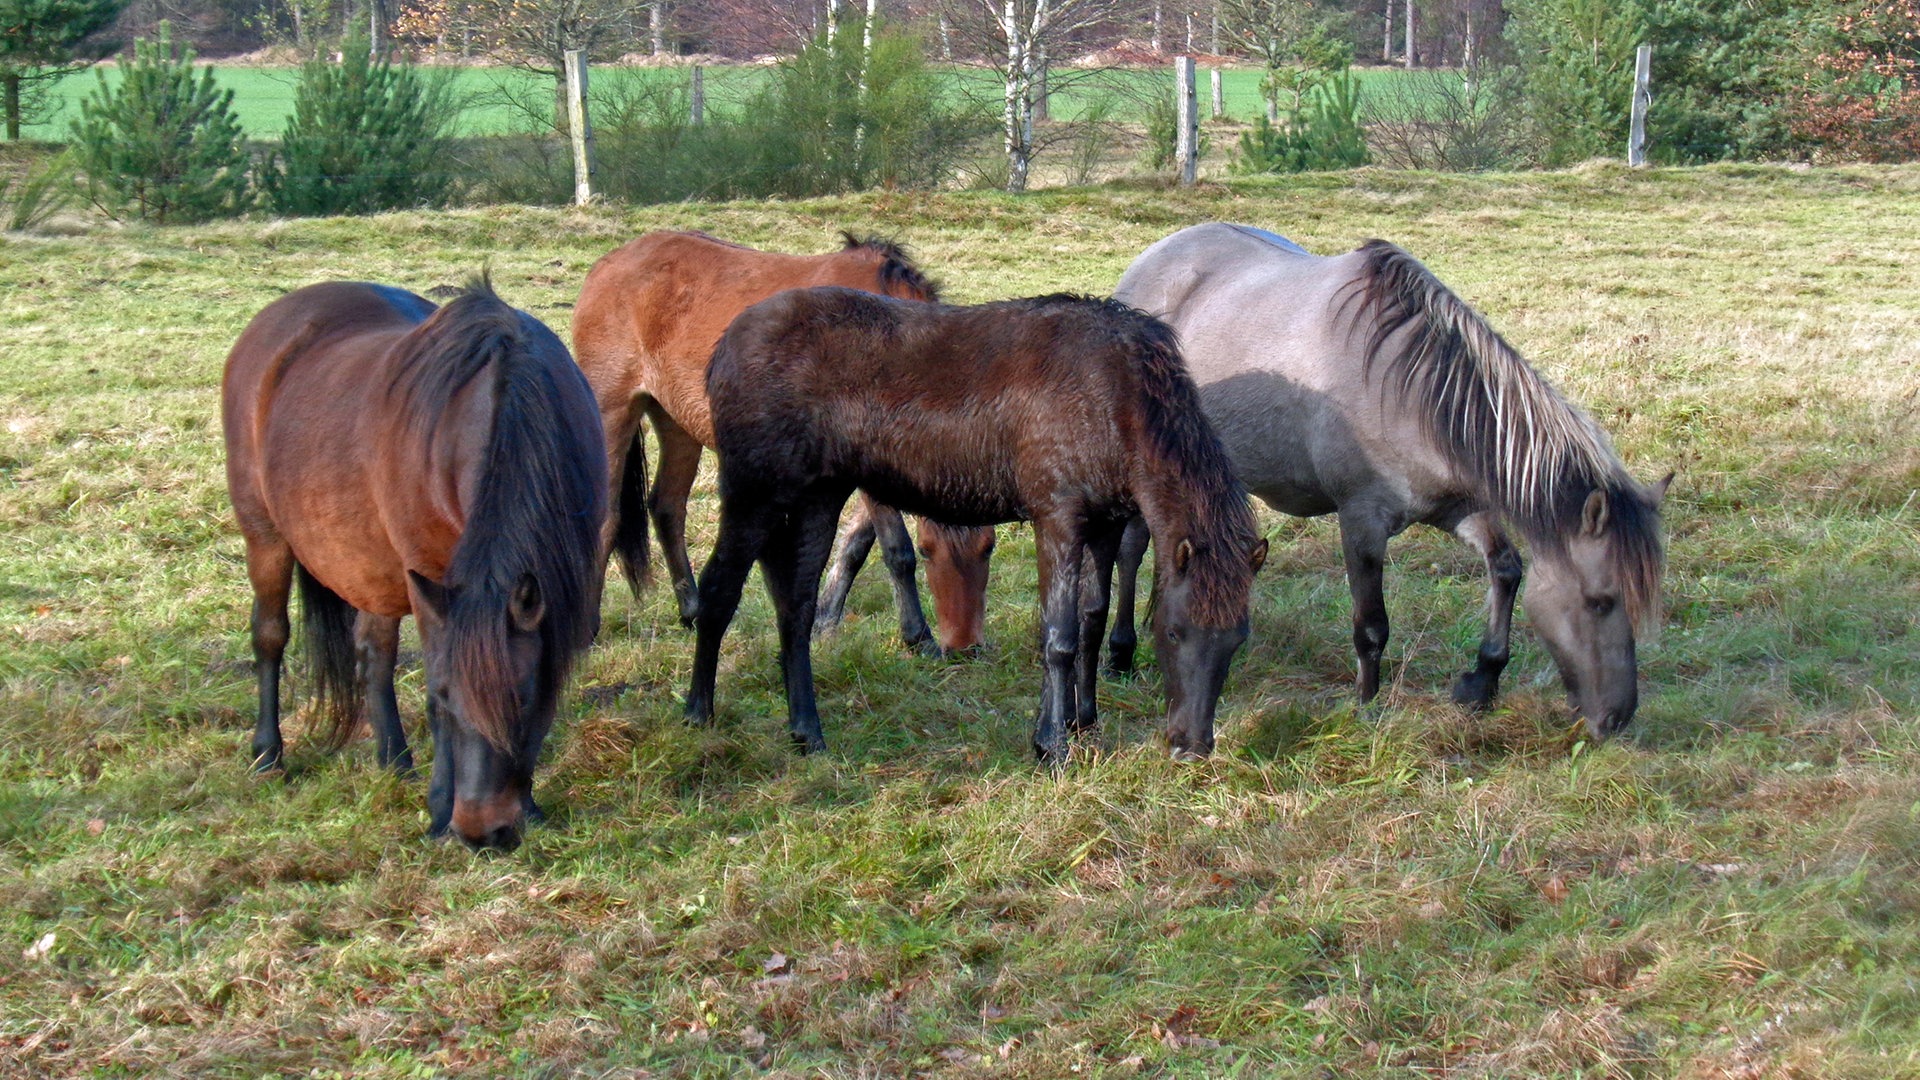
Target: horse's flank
(1526, 450)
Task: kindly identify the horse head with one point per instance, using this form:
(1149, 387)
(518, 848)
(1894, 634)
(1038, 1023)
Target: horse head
(1196, 637)
(491, 693)
(1589, 595)
(957, 561)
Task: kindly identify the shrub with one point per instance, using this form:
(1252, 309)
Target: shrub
(27, 200)
(1578, 73)
(366, 135)
(1163, 131)
(1323, 132)
(1452, 121)
(163, 145)
(1863, 102)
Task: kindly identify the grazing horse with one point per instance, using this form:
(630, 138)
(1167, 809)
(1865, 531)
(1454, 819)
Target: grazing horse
(643, 331)
(396, 458)
(1074, 413)
(1360, 385)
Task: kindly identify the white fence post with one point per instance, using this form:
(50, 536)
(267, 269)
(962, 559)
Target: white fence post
(577, 123)
(1642, 99)
(1219, 96)
(1186, 103)
(697, 97)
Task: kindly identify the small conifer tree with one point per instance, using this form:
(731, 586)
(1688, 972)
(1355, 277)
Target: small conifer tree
(163, 146)
(366, 135)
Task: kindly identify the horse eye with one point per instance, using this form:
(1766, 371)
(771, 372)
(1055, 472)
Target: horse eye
(1173, 635)
(925, 552)
(1600, 605)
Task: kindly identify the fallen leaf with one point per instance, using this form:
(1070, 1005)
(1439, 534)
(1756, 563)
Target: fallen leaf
(96, 826)
(752, 1038)
(1556, 889)
(39, 949)
(775, 964)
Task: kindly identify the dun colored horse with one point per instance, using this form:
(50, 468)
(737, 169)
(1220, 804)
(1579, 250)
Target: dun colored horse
(1360, 385)
(645, 327)
(396, 458)
(1074, 413)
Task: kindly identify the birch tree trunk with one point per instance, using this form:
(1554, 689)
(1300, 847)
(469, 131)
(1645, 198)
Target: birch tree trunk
(657, 27)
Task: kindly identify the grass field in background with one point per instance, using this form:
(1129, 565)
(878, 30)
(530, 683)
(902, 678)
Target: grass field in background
(263, 96)
(1731, 889)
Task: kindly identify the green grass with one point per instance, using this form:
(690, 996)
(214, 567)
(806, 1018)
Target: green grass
(1728, 890)
(263, 96)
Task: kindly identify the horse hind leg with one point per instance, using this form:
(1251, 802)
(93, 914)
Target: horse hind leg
(667, 502)
(376, 641)
(792, 564)
(1124, 641)
(1478, 687)
(1059, 545)
(1364, 544)
(270, 569)
(744, 525)
(855, 544)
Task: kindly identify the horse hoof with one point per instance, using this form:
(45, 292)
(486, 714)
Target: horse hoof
(1473, 692)
(926, 647)
(809, 744)
(268, 762)
(1119, 663)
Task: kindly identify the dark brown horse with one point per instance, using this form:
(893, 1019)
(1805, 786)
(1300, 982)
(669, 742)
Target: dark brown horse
(1074, 413)
(396, 458)
(643, 330)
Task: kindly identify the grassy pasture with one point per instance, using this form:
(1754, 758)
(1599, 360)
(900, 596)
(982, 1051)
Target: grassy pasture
(1732, 889)
(492, 96)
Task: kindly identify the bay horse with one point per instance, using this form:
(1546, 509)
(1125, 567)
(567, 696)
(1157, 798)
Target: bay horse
(1360, 385)
(644, 328)
(396, 458)
(1070, 412)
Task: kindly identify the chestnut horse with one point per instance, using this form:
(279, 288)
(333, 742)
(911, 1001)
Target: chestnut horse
(643, 331)
(399, 459)
(1074, 413)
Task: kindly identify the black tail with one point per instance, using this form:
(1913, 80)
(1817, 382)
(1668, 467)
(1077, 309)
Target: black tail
(327, 623)
(630, 528)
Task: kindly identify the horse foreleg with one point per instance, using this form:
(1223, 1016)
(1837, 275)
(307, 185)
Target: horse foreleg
(376, 639)
(667, 502)
(794, 558)
(1096, 581)
(743, 533)
(440, 776)
(1132, 551)
(856, 542)
(896, 547)
(1482, 532)
(1059, 549)
(270, 569)
(1365, 546)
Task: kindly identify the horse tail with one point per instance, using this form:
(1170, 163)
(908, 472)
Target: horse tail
(630, 522)
(326, 621)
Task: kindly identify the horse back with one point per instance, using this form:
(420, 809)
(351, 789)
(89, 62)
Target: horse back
(962, 414)
(652, 311)
(1276, 340)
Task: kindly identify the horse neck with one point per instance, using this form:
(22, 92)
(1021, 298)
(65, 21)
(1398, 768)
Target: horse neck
(1202, 503)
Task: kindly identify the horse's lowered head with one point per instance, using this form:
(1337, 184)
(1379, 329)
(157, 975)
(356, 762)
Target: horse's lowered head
(1198, 628)
(957, 561)
(491, 693)
(1596, 589)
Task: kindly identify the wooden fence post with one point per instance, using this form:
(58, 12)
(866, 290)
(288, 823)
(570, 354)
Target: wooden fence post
(697, 97)
(1219, 97)
(1186, 103)
(1642, 99)
(577, 122)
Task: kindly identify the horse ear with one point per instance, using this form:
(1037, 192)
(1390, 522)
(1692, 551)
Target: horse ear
(1593, 516)
(1259, 555)
(437, 597)
(526, 608)
(1182, 555)
(1658, 491)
